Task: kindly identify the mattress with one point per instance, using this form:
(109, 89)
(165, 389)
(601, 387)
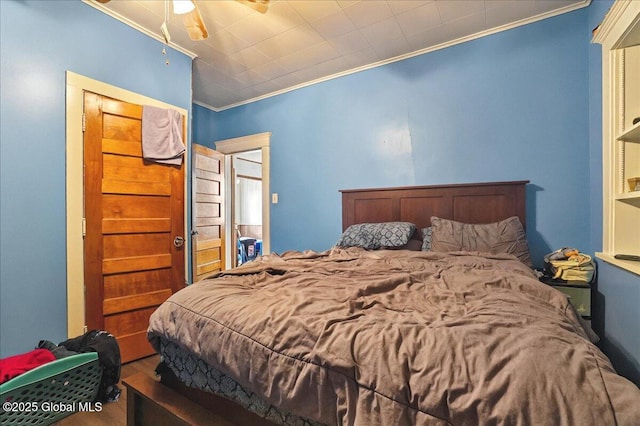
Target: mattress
(349, 336)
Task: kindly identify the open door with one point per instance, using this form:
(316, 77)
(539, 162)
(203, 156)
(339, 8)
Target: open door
(134, 214)
(208, 235)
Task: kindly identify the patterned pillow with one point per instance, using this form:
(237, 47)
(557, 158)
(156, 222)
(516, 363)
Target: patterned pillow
(373, 236)
(426, 239)
(506, 236)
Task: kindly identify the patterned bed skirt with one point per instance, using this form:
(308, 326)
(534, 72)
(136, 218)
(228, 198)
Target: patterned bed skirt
(196, 373)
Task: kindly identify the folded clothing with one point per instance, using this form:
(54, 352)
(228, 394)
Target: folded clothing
(13, 366)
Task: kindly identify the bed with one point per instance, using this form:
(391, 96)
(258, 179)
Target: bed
(391, 335)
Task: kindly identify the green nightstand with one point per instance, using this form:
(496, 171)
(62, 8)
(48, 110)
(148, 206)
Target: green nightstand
(579, 293)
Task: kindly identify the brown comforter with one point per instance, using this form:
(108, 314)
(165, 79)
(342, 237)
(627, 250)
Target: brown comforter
(399, 337)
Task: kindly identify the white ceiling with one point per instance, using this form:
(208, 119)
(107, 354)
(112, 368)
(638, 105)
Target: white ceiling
(249, 56)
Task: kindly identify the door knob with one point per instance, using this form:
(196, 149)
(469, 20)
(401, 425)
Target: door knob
(178, 242)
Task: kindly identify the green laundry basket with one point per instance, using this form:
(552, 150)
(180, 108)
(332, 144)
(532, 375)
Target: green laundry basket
(52, 391)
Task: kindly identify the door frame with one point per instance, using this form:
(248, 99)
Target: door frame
(76, 85)
(258, 141)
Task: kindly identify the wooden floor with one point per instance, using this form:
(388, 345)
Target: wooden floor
(114, 413)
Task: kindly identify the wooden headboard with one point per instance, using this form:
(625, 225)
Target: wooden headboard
(470, 203)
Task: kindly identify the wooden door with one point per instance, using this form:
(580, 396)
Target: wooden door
(134, 210)
(208, 212)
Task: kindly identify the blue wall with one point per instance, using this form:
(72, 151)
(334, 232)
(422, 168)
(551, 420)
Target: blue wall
(40, 42)
(203, 126)
(510, 106)
(618, 297)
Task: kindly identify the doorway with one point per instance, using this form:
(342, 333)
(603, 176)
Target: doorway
(247, 205)
(76, 87)
(259, 147)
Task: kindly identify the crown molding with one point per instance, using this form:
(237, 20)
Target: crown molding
(610, 27)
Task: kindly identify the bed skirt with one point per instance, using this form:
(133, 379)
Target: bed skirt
(196, 373)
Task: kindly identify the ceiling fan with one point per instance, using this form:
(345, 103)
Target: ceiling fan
(193, 19)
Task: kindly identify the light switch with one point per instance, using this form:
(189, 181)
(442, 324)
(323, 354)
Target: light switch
(274, 198)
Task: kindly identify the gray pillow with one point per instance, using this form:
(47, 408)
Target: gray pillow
(506, 236)
(426, 239)
(373, 236)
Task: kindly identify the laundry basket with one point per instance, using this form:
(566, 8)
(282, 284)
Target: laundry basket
(51, 391)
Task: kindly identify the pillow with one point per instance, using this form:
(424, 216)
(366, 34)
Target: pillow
(426, 239)
(506, 236)
(373, 236)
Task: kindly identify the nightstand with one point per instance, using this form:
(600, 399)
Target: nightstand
(579, 293)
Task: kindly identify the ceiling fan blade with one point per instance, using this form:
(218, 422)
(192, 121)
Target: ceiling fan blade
(103, 1)
(195, 25)
(261, 6)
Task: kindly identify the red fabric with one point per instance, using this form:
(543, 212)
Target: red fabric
(13, 366)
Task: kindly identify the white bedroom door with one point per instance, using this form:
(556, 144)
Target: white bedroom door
(208, 235)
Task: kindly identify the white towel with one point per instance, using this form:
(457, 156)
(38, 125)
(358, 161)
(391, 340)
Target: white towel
(162, 135)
